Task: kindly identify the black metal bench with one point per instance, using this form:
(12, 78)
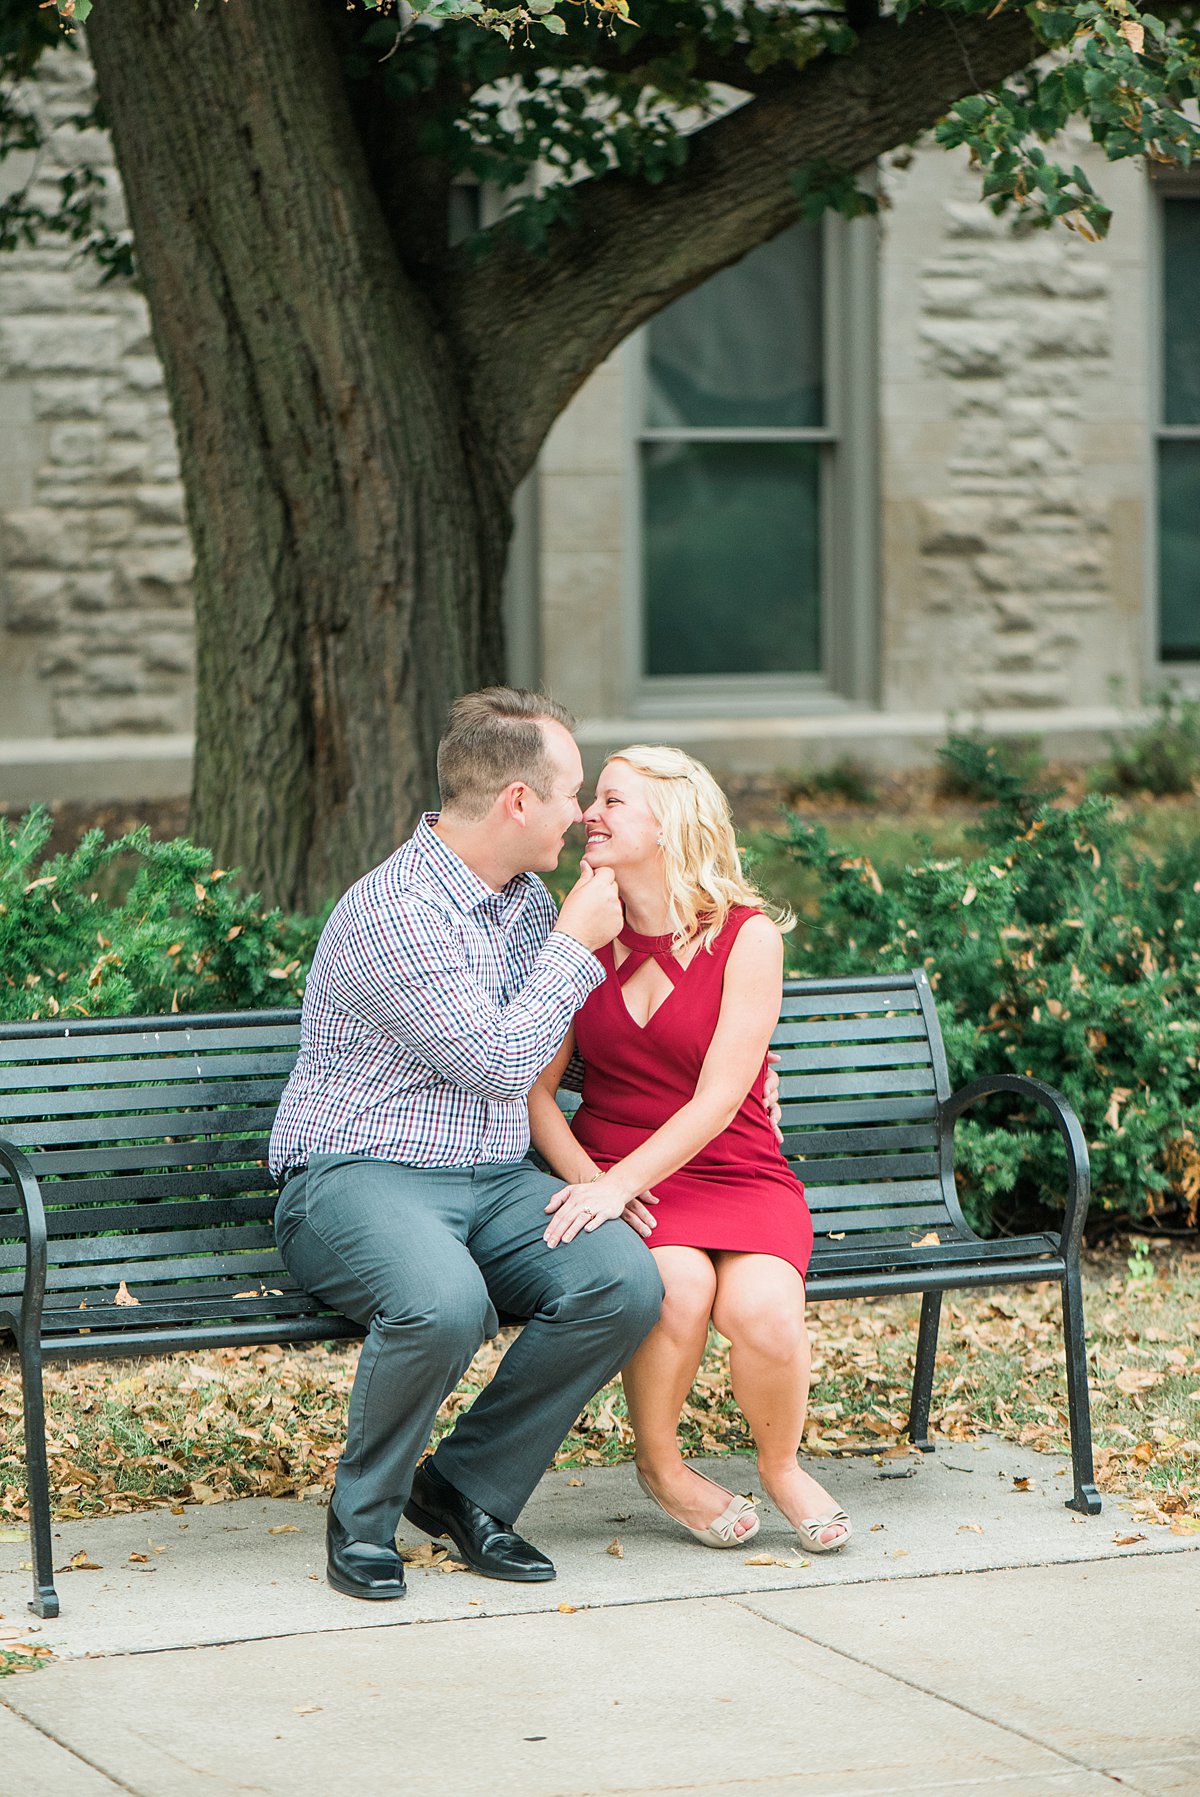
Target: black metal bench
(135, 1205)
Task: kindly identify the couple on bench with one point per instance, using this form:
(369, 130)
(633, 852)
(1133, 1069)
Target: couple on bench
(445, 1005)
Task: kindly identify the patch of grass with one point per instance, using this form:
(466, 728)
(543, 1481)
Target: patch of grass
(262, 1421)
(847, 779)
(23, 1657)
(1161, 757)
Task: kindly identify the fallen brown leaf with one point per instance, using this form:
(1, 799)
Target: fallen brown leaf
(124, 1295)
(80, 1562)
(567, 1609)
(307, 1709)
(1127, 1540)
(970, 1528)
(615, 1549)
(284, 1528)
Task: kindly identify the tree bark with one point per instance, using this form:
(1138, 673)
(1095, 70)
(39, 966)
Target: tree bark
(348, 520)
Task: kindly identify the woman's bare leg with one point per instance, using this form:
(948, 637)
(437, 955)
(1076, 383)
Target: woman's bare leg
(659, 1378)
(759, 1308)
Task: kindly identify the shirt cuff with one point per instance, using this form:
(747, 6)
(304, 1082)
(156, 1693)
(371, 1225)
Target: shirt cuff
(579, 962)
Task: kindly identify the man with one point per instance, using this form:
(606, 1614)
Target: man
(440, 989)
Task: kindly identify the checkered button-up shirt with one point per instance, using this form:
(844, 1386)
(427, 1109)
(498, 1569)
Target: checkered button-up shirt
(433, 1004)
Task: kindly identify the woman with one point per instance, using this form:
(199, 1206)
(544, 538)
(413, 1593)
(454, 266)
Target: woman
(674, 1046)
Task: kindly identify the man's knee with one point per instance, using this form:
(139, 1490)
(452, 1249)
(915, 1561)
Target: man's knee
(449, 1322)
(616, 1278)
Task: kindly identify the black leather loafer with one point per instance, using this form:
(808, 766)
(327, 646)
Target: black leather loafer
(361, 1568)
(489, 1546)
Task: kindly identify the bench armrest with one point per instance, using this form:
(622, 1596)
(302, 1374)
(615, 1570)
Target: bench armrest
(15, 1163)
(1079, 1176)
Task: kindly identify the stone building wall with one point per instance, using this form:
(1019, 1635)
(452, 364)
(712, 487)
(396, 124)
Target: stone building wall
(96, 649)
(1015, 411)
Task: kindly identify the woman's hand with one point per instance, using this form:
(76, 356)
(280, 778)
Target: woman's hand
(585, 1207)
(638, 1217)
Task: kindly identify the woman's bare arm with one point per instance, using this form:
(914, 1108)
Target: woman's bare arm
(549, 1130)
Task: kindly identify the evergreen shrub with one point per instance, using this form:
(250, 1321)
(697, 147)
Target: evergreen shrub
(135, 927)
(1057, 949)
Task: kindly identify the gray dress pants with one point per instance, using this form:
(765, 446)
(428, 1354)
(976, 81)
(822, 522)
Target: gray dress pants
(423, 1258)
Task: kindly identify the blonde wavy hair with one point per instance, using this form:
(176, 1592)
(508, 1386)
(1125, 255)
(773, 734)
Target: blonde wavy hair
(700, 853)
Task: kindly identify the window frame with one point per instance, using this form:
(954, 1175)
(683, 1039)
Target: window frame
(1165, 184)
(849, 509)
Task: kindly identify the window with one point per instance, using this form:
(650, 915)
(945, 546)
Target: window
(1179, 432)
(746, 575)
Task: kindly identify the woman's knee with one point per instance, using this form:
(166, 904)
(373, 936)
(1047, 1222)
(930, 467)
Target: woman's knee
(689, 1287)
(768, 1324)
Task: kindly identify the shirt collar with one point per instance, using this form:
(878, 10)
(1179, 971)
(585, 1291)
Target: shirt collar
(460, 882)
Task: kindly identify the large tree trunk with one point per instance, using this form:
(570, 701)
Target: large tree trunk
(349, 524)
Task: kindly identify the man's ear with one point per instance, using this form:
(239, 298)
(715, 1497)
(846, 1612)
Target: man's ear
(515, 803)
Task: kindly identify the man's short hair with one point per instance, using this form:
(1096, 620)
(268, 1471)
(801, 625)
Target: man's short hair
(492, 738)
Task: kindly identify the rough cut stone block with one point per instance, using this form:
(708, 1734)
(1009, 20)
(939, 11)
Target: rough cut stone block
(72, 398)
(31, 600)
(42, 536)
(37, 345)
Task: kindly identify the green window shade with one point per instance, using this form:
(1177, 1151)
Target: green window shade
(1179, 549)
(1181, 312)
(745, 349)
(731, 549)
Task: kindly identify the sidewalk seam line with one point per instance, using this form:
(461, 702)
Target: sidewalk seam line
(926, 1691)
(117, 1783)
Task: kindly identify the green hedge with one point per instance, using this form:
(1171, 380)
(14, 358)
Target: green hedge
(1059, 949)
(135, 927)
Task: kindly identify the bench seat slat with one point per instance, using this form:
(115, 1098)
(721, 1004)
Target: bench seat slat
(854, 1083)
(116, 1322)
(196, 1269)
(814, 1143)
(192, 1336)
(202, 1038)
(856, 1225)
(146, 1157)
(131, 1219)
(196, 1125)
(27, 1107)
(836, 1004)
(823, 1170)
(66, 1194)
(235, 1237)
(796, 1063)
(848, 1256)
(857, 1113)
(901, 1191)
(75, 1076)
(906, 1026)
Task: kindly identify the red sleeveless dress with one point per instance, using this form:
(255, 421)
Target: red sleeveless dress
(739, 1191)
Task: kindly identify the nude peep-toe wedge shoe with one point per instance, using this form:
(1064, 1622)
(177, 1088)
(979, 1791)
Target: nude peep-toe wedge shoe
(721, 1532)
(809, 1532)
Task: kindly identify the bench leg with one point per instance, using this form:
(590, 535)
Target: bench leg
(1086, 1498)
(45, 1597)
(922, 1391)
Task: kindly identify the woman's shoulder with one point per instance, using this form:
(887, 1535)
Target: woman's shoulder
(749, 931)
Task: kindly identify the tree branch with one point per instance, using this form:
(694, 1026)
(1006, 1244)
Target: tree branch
(530, 330)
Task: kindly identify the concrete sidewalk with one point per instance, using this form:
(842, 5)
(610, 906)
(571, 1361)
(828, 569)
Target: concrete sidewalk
(221, 1662)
